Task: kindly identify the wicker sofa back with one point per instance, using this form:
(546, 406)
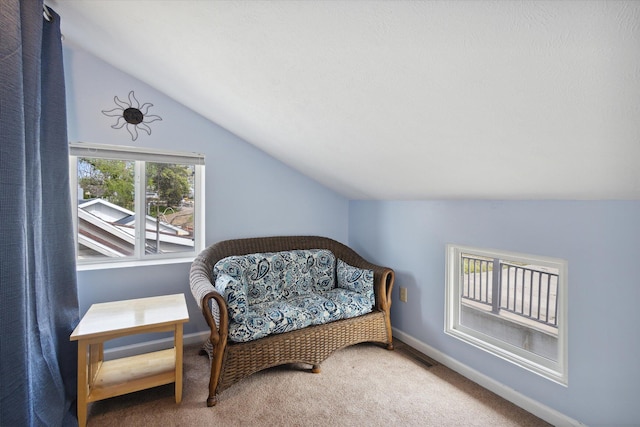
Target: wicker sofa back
(231, 361)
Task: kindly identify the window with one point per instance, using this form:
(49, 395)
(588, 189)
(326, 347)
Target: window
(512, 305)
(136, 205)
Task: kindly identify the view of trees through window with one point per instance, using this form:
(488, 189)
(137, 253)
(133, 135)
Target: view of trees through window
(107, 214)
(111, 180)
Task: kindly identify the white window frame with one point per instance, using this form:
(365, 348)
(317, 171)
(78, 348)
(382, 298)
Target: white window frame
(139, 155)
(553, 370)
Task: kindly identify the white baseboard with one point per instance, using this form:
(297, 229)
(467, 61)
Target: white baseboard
(544, 412)
(155, 345)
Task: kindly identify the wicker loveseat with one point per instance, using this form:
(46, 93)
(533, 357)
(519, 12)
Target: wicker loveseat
(310, 343)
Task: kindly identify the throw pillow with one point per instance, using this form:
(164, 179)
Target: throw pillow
(235, 295)
(355, 279)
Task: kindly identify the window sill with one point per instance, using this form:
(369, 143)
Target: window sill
(136, 263)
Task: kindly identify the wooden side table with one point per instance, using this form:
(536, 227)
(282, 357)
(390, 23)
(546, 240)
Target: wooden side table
(99, 379)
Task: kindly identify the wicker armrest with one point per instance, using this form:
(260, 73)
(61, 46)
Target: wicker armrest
(211, 303)
(383, 285)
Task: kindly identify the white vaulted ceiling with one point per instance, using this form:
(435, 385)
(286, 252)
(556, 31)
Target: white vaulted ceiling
(396, 99)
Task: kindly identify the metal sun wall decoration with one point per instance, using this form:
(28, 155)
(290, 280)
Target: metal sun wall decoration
(132, 115)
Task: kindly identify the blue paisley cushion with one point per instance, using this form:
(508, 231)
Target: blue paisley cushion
(283, 316)
(271, 276)
(269, 318)
(254, 327)
(297, 313)
(351, 303)
(235, 295)
(321, 310)
(355, 279)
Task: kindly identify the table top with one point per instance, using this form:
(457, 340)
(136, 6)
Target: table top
(120, 316)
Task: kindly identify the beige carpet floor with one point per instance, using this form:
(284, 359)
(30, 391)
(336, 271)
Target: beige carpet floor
(363, 385)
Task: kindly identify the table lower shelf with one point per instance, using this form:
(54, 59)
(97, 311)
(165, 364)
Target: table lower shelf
(129, 374)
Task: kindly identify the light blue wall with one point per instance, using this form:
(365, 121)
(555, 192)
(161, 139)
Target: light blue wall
(248, 193)
(600, 240)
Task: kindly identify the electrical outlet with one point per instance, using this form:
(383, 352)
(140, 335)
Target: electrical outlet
(403, 294)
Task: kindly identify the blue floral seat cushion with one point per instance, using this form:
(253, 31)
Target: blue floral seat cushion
(351, 303)
(277, 317)
(274, 293)
(321, 309)
(269, 318)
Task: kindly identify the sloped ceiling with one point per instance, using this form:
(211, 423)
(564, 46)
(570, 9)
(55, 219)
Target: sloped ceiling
(400, 100)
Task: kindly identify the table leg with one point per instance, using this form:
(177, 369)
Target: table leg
(178, 349)
(96, 356)
(83, 391)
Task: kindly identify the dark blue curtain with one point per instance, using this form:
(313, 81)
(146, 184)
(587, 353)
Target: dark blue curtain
(38, 291)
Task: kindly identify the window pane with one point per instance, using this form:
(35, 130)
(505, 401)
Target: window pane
(170, 206)
(511, 301)
(106, 217)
